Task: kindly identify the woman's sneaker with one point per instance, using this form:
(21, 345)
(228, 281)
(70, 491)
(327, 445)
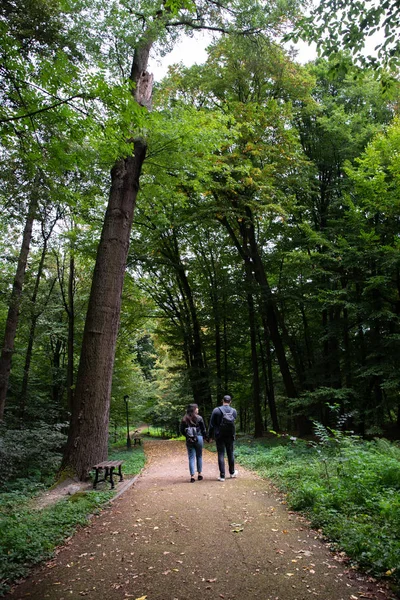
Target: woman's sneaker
(221, 478)
(234, 474)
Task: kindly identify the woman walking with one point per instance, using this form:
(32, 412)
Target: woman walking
(193, 428)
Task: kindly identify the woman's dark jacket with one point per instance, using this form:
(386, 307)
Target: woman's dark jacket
(196, 422)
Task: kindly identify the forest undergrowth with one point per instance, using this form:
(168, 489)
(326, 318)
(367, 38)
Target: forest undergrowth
(348, 488)
(29, 536)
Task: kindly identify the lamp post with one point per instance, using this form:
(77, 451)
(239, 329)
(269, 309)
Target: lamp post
(128, 437)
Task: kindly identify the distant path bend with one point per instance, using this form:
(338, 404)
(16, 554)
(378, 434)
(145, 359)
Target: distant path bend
(168, 539)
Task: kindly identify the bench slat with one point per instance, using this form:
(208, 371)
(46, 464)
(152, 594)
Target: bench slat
(108, 463)
(108, 466)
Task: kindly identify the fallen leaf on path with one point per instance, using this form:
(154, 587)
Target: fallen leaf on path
(211, 580)
(238, 530)
(141, 598)
(290, 574)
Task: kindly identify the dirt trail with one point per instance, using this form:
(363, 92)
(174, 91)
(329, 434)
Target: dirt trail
(168, 539)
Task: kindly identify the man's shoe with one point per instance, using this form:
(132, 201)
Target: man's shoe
(221, 478)
(234, 474)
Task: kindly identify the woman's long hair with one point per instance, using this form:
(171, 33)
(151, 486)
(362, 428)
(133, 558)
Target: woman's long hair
(190, 416)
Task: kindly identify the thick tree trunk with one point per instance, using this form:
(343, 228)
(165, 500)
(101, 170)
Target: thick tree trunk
(15, 302)
(88, 434)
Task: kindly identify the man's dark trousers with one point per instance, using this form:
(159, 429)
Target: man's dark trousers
(222, 445)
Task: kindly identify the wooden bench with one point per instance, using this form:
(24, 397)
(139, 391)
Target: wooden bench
(108, 466)
(137, 438)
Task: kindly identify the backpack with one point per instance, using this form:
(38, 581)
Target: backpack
(227, 425)
(191, 434)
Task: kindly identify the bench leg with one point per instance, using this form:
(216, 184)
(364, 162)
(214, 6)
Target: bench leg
(96, 479)
(120, 473)
(111, 477)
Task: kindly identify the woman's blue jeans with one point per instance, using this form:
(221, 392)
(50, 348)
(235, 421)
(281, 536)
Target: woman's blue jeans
(195, 454)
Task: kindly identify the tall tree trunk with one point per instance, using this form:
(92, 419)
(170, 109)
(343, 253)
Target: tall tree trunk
(71, 332)
(225, 338)
(57, 387)
(269, 381)
(256, 388)
(88, 433)
(268, 307)
(15, 302)
(270, 311)
(34, 318)
(68, 301)
(199, 371)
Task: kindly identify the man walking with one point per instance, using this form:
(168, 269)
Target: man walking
(222, 429)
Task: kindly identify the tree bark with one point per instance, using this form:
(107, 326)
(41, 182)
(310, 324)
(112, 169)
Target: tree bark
(268, 307)
(71, 333)
(258, 424)
(15, 302)
(88, 434)
(34, 318)
(269, 381)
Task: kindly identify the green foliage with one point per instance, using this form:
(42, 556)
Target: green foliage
(29, 536)
(348, 487)
(32, 453)
(134, 459)
(337, 24)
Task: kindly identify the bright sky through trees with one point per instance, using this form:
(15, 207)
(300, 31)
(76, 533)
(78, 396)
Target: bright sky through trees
(193, 50)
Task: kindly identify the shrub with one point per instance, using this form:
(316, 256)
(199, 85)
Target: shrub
(346, 486)
(33, 453)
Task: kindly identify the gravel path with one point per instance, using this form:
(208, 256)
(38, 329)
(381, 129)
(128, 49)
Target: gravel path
(167, 539)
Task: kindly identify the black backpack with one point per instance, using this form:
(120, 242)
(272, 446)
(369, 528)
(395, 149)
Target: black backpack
(191, 434)
(227, 425)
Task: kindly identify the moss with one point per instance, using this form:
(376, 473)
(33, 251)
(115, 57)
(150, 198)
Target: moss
(77, 496)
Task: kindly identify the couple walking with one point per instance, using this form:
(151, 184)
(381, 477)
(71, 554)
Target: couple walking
(222, 429)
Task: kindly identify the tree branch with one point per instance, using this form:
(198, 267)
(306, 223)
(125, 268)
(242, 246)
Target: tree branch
(40, 110)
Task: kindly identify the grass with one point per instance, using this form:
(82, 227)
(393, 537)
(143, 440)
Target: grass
(28, 536)
(347, 487)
